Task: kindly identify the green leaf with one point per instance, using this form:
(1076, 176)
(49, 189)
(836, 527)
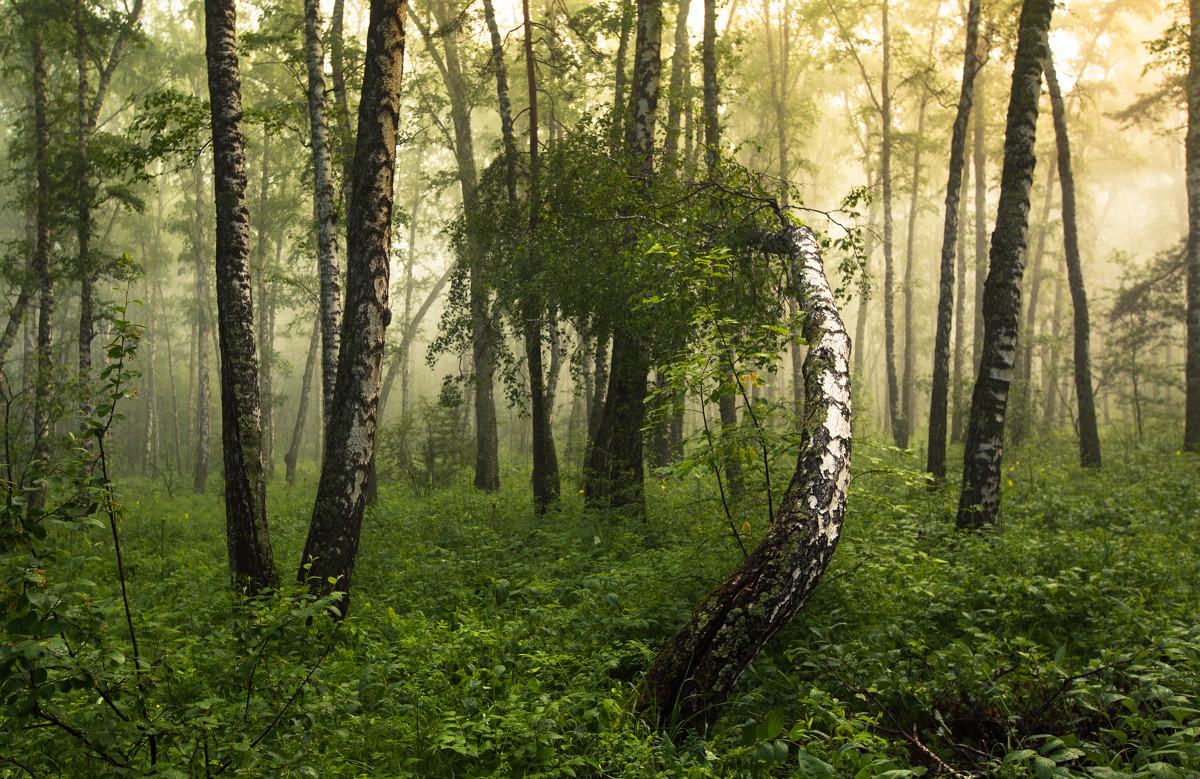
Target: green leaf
(813, 767)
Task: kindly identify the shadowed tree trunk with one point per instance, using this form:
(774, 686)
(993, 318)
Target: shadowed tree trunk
(1191, 432)
(693, 675)
(333, 536)
(293, 453)
(1089, 435)
(620, 123)
(200, 466)
(614, 472)
(681, 63)
(908, 382)
(251, 563)
(324, 211)
(1024, 375)
(487, 442)
(899, 436)
(960, 316)
(979, 502)
(545, 459)
(41, 255)
(979, 158)
(939, 394)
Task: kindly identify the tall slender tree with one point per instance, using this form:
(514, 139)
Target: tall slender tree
(1191, 431)
(1089, 434)
(940, 392)
(979, 502)
(324, 210)
(251, 562)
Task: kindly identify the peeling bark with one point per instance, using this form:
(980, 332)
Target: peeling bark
(979, 502)
(695, 672)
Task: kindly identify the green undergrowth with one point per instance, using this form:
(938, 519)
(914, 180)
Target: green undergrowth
(485, 641)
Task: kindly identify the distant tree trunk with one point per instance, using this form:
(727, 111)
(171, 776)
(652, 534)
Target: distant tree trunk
(200, 465)
(545, 459)
(908, 384)
(620, 114)
(939, 398)
(979, 158)
(175, 435)
(41, 256)
(1024, 370)
(727, 408)
(83, 222)
(960, 319)
(710, 114)
(324, 211)
(1050, 368)
(1089, 435)
(614, 472)
(680, 64)
(251, 562)
(487, 443)
(595, 399)
(293, 453)
(889, 273)
(860, 324)
(409, 334)
(1191, 434)
(16, 315)
(150, 444)
(695, 672)
(337, 71)
(979, 502)
(263, 314)
(333, 536)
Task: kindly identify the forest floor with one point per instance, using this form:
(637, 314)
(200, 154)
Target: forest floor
(484, 641)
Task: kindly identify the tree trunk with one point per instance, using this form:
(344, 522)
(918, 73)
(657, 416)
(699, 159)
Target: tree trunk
(712, 98)
(293, 453)
(695, 672)
(175, 435)
(889, 272)
(979, 157)
(614, 473)
(324, 211)
(333, 536)
(200, 465)
(1191, 432)
(83, 223)
(150, 444)
(1024, 371)
(263, 315)
(620, 123)
(337, 71)
(681, 62)
(960, 319)
(1089, 436)
(979, 502)
(939, 394)
(41, 256)
(400, 360)
(727, 408)
(251, 562)
(545, 459)
(487, 462)
(908, 384)
(860, 324)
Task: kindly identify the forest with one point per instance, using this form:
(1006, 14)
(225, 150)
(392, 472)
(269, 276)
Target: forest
(600, 388)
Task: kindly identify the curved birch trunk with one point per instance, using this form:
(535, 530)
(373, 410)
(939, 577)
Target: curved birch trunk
(695, 672)
(939, 395)
(979, 502)
(251, 562)
(1089, 435)
(333, 535)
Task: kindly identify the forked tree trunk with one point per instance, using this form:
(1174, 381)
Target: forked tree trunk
(939, 395)
(333, 536)
(1089, 435)
(324, 211)
(251, 562)
(695, 672)
(979, 502)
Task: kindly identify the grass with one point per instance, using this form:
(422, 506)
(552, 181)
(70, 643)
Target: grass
(483, 641)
